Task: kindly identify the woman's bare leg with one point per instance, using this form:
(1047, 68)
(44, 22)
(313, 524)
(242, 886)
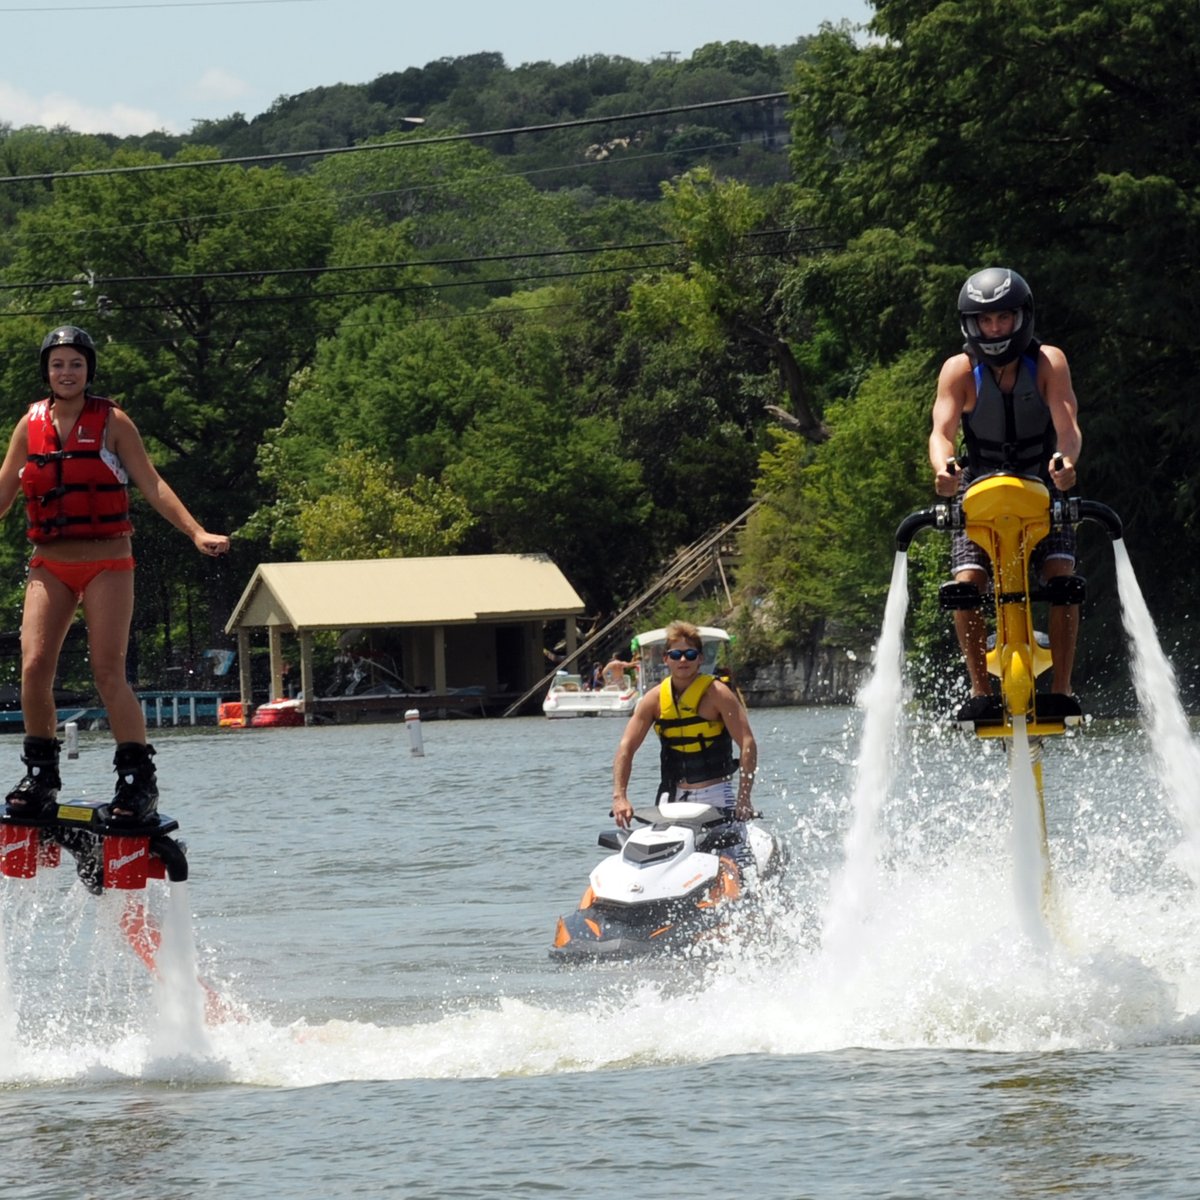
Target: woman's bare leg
(108, 610)
(49, 610)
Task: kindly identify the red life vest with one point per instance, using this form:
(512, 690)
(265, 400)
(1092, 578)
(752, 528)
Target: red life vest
(73, 491)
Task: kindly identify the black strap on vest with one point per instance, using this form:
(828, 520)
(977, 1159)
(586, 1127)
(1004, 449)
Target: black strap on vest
(56, 457)
(1027, 454)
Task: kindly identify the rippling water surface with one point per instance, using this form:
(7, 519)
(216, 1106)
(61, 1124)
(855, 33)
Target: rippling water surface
(377, 926)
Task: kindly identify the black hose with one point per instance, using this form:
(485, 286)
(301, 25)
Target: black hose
(913, 524)
(173, 857)
(1093, 510)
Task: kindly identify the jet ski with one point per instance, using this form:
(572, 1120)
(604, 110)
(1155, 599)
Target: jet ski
(671, 884)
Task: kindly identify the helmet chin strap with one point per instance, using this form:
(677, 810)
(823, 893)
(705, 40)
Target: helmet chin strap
(54, 396)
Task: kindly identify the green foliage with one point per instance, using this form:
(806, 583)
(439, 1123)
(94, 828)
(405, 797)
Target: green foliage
(935, 665)
(608, 418)
(201, 364)
(34, 151)
(817, 546)
(457, 202)
(480, 92)
(366, 514)
(487, 409)
(738, 58)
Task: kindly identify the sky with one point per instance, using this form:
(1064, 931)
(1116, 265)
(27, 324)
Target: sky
(125, 68)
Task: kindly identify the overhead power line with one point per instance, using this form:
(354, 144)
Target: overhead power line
(408, 264)
(402, 289)
(375, 194)
(271, 272)
(439, 139)
(45, 8)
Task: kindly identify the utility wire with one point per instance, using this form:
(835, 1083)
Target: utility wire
(44, 8)
(440, 139)
(272, 272)
(275, 272)
(344, 198)
(396, 290)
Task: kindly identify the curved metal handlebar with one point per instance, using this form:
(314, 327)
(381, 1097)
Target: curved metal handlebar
(1068, 511)
(937, 517)
(1093, 510)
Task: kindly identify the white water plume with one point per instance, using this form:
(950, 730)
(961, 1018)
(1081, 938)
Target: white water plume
(1177, 757)
(1031, 871)
(179, 1030)
(880, 699)
(8, 1012)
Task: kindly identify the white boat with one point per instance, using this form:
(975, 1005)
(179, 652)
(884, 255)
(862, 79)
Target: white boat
(649, 647)
(569, 697)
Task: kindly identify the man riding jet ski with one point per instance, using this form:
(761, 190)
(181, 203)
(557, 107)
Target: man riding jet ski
(700, 849)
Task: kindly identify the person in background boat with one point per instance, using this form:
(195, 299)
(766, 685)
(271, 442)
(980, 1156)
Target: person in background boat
(73, 455)
(595, 678)
(699, 720)
(614, 672)
(1013, 399)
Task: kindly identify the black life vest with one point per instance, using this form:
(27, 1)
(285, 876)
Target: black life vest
(1009, 431)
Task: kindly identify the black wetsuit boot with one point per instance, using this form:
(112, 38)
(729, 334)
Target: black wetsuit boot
(136, 798)
(38, 791)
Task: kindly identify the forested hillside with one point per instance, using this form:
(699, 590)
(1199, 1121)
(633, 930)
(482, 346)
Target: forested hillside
(602, 339)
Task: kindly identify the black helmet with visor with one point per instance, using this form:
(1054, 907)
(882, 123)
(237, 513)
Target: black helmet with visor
(993, 290)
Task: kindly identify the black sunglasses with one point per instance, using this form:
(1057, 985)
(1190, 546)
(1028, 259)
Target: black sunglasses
(690, 654)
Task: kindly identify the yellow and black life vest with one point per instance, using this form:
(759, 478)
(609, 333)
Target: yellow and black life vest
(694, 749)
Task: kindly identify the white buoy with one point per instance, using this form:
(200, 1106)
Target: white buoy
(412, 718)
(71, 737)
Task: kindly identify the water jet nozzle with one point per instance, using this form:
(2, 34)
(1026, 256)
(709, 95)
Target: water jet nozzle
(1093, 510)
(937, 517)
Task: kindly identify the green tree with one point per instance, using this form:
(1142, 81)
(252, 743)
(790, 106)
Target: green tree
(369, 515)
(33, 151)
(459, 205)
(487, 408)
(817, 546)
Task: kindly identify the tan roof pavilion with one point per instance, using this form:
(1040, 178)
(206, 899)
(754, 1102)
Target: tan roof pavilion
(469, 621)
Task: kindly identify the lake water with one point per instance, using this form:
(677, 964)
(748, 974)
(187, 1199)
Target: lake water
(378, 926)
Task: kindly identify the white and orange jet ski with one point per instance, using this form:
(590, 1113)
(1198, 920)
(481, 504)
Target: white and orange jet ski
(673, 882)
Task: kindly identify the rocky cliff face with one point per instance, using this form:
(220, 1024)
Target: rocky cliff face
(817, 675)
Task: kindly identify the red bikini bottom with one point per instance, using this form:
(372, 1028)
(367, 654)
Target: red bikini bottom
(77, 575)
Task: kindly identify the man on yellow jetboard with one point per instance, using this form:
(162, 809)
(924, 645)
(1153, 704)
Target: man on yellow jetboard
(1013, 398)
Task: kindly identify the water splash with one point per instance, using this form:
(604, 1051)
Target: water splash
(1177, 757)
(1031, 869)
(8, 1011)
(940, 962)
(880, 698)
(76, 1002)
(179, 1032)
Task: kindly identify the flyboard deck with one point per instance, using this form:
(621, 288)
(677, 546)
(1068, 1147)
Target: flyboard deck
(109, 854)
